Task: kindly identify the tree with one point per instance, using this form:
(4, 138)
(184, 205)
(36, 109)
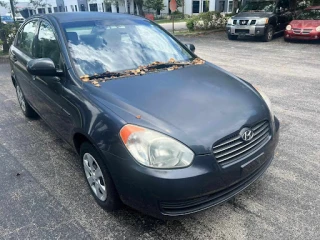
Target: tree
(140, 4)
(39, 4)
(156, 5)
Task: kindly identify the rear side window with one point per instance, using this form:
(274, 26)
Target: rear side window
(26, 37)
(47, 45)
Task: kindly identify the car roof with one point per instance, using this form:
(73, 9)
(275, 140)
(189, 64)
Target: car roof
(313, 8)
(87, 16)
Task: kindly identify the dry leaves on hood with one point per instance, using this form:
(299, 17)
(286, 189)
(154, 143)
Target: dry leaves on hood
(141, 70)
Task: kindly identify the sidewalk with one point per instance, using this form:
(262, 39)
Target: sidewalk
(177, 26)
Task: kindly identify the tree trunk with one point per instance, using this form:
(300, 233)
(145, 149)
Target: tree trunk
(139, 4)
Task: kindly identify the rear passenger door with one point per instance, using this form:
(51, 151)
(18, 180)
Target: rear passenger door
(21, 53)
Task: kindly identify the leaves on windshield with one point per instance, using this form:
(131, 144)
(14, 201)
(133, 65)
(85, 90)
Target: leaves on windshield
(157, 66)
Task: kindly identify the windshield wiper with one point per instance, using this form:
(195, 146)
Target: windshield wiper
(141, 70)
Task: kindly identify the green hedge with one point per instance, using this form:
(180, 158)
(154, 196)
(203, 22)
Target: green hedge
(207, 21)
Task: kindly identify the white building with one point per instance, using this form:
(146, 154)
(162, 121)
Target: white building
(191, 7)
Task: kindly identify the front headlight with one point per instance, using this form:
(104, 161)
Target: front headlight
(230, 21)
(261, 21)
(288, 27)
(154, 149)
(318, 29)
(267, 101)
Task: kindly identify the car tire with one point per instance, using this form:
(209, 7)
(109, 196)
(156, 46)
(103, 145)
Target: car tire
(232, 37)
(98, 178)
(24, 105)
(268, 35)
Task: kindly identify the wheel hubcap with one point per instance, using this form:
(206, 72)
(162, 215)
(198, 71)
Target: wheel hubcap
(21, 100)
(270, 34)
(94, 176)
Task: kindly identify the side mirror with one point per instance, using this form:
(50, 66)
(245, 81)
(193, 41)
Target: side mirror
(191, 47)
(42, 67)
(237, 11)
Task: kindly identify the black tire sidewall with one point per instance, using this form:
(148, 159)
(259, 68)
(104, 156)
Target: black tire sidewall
(113, 201)
(266, 35)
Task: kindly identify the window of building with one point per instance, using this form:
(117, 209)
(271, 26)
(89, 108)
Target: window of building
(221, 6)
(76, 8)
(72, 8)
(93, 7)
(26, 36)
(55, 9)
(60, 8)
(205, 6)
(230, 6)
(66, 9)
(41, 10)
(49, 10)
(195, 6)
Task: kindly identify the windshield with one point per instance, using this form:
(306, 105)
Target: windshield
(117, 45)
(6, 18)
(309, 15)
(259, 6)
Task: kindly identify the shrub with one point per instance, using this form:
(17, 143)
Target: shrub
(190, 24)
(207, 21)
(7, 34)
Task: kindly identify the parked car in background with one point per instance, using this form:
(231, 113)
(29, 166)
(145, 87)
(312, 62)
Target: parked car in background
(306, 26)
(260, 18)
(6, 19)
(155, 126)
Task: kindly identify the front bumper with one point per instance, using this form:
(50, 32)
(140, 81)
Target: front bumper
(310, 36)
(246, 30)
(204, 184)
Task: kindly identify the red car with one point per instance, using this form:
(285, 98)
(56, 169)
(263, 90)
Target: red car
(306, 26)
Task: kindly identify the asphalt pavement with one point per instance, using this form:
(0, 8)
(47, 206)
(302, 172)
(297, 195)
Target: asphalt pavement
(43, 194)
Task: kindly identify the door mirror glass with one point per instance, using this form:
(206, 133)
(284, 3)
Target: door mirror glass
(191, 47)
(42, 67)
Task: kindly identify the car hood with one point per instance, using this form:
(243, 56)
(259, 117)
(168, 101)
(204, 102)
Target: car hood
(305, 23)
(252, 15)
(197, 105)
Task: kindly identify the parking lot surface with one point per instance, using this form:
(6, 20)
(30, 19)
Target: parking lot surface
(43, 194)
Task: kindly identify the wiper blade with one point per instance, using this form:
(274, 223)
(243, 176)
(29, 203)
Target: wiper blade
(141, 70)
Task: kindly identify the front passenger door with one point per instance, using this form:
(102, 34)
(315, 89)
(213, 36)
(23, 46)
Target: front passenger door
(50, 89)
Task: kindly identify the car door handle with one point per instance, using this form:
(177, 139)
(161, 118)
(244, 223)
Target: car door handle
(14, 58)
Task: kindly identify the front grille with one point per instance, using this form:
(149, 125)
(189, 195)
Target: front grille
(234, 22)
(296, 30)
(306, 31)
(243, 22)
(235, 147)
(301, 31)
(242, 31)
(253, 22)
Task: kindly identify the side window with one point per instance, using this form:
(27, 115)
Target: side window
(26, 37)
(47, 45)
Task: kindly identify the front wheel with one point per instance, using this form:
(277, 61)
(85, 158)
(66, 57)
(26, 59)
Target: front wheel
(268, 35)
(232, 37)
(98, 178)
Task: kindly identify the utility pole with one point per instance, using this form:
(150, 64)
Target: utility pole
(13, 10)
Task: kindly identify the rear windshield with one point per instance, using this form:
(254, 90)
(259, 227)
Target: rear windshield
(99, 46)
(309, 15)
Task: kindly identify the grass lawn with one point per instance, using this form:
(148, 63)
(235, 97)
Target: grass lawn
(169, 20)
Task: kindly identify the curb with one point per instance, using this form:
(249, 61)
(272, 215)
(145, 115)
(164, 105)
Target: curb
(195, 33)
